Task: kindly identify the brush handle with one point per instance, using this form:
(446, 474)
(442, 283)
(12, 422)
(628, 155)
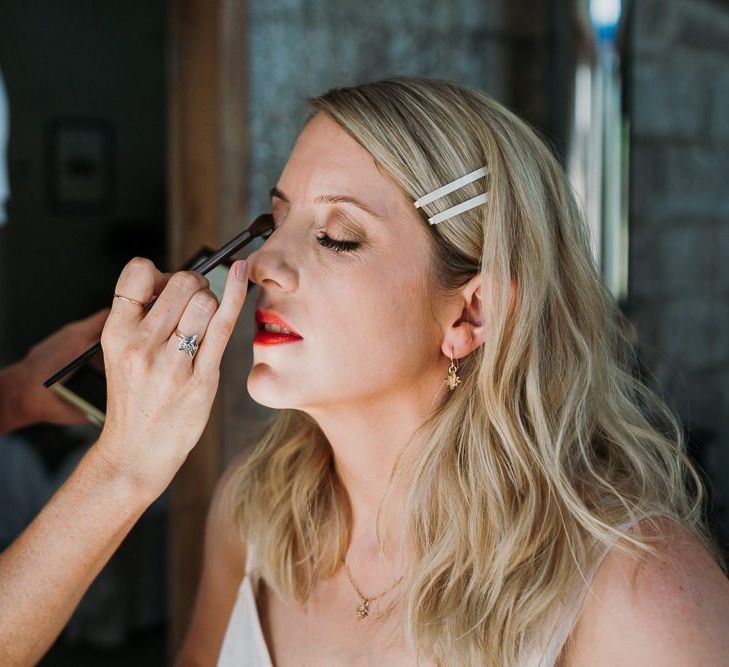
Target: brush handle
(259, 227)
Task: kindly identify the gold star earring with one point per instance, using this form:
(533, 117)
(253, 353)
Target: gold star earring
(452, 380)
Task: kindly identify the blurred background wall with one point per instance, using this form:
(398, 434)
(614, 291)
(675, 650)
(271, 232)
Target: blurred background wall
(678, 99)
(78, 61)
(301, 48)
(112, 61)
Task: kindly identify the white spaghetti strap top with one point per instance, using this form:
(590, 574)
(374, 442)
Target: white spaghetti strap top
(245, 644)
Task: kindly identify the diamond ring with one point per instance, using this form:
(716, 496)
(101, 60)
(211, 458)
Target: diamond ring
(187, 343)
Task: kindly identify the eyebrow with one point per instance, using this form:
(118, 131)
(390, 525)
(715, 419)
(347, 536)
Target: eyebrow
(330, 199)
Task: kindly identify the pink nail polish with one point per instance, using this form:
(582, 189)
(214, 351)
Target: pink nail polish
(241, 270)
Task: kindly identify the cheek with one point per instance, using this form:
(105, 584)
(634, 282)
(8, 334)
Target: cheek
(354, 322)
(379, 324)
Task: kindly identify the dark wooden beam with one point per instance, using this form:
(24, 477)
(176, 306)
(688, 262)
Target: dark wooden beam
(207, 166)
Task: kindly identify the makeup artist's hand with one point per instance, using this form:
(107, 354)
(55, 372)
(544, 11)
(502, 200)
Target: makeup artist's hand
(25, 400)
(158, 397)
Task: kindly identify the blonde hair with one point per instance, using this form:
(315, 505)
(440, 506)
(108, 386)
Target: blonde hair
(549, 444)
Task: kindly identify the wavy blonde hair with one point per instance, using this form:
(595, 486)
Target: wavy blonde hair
(549, 444)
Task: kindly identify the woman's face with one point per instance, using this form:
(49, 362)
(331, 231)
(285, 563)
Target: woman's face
(364, 313)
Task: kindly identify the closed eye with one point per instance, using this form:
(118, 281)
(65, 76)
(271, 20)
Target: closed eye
(337, 245)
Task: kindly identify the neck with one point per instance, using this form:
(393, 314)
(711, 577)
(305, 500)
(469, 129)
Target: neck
(372, 446)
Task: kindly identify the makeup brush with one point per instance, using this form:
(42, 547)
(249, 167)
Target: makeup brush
(262, 226)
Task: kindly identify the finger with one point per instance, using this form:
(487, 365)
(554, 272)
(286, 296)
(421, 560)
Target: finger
(221, 326)
(166, 312)
(93, 325)
(80, 333)
(86, 332)
(139, 280)
(194, 321)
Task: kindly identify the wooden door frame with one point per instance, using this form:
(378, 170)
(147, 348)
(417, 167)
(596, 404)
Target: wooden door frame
(208, 176)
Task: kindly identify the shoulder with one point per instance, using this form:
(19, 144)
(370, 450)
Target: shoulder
(668, 609)
(223, 568)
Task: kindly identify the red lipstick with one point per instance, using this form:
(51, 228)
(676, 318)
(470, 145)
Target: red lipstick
(264, 337)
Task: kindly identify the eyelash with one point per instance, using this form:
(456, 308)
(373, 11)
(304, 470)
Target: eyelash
(328, 242)
(336, 245)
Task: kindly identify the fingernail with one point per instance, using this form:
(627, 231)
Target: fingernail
(241, 270)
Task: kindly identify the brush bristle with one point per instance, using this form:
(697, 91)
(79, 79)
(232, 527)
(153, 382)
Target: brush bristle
(262, 225)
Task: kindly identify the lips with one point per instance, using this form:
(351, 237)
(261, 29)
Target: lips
(272, 317)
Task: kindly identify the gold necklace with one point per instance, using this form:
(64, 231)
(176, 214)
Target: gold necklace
(363, 609)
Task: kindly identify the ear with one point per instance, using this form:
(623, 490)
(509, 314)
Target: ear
(465, 334)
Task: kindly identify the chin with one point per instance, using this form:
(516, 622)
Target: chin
(264, 390)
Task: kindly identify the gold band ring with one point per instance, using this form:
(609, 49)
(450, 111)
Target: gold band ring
(126, 298)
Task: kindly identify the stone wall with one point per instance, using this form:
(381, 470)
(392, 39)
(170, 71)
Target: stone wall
(679, 218)
(301, 48)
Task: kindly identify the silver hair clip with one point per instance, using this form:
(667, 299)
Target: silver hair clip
(447, 189)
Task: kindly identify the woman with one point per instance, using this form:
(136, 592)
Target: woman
(458, 441)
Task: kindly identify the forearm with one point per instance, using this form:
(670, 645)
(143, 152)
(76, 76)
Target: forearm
(12, 412)
(46, 571)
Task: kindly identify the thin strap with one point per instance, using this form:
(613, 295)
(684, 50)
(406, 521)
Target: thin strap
(579, 599)
(252, 569)
(250, 557)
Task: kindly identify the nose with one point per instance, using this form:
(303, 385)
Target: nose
(270, 265)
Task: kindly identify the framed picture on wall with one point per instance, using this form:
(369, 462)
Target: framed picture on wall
(80, 157)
